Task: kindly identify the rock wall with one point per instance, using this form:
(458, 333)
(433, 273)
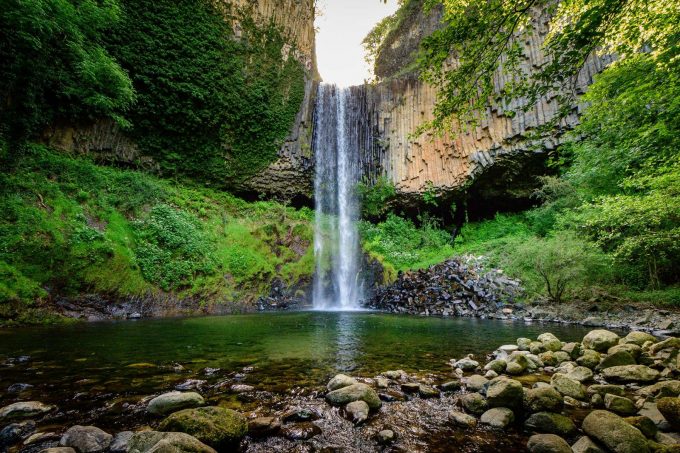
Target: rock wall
(292, 173)
(494, 154)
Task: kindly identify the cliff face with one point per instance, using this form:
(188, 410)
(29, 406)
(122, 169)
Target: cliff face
(291, 174)
(497, 159)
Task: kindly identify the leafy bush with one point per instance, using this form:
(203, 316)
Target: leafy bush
(375, 198)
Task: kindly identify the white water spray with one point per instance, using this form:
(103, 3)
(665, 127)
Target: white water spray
(337, 282)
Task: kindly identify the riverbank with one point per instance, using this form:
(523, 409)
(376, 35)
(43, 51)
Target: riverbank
(497, 398)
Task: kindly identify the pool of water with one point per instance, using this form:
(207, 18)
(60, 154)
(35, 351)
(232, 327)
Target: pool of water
(92, 371)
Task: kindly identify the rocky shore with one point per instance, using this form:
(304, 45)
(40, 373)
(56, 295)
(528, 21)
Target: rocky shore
(605, 393)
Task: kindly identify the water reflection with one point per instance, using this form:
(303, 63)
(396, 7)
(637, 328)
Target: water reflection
(348, 344)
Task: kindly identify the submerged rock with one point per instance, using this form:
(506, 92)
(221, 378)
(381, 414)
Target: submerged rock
(547, 443)
(174, 401)
(613, 432)
(86, 439)
(354, 392)
(157, 442)
(24, 409)
(215, 426)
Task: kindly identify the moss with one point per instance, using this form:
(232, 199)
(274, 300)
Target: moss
(215, 426)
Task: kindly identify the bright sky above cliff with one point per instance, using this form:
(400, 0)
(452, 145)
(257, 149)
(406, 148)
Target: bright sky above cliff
(341, 28)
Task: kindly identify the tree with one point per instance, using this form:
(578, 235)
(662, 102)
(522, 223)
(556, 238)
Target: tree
(53, 66)
(479, 38)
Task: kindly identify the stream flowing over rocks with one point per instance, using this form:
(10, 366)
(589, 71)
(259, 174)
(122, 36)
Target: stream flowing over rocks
(540, 395)
(464, 287)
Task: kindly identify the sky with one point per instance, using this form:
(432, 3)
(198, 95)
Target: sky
(341, 28)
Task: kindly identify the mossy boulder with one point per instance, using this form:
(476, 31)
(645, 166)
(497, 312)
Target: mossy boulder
(600, 340)
(157, 442)
(550, 423)
(550, 342)
(174, 401)
(644, 424)
(670, 409)
(517, 364)
(614, 433)
(498, 417)
(354, 392)
(586, 445)
(581, 374)
(573, 349)
(543, 399)
(474, 403)
(218, 427)
(638, 338)
(630, 373)
(547, 443)
(630, 348)
(24, 409)
(618, 358)
(497, 365)
(589, 359)
(340, 381)
(603, 389)
(504, 392)
(568, 386)
(619, 404)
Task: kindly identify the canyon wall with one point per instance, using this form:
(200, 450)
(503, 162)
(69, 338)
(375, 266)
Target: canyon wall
(499, 158)
(291, 174)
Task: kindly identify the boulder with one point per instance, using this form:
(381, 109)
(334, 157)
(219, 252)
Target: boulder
(661, 389)
(630, 348)
(475, 383)
(543, 399)
(120, 442)
(589, 359)
(548, 358)
(547, 443)
(357, 411)
(550, 342)
(619, 404)
(638, 338)
(669, 343)
(585, 445)
(550, 423)
(567, 386)
(24, 409)
(536, 347)
(425, 391)
(523, 344)
(670, 409)
(466, 364)
(156, 442)
(497, 365)
(174, 401)
(580, 373)
(218, 427)
(15, 432)
(614, 433)
(498, 417)
(573, 349)
(517, 364)
(603, 389)
(600, 340)
(354, 392)
(644, 424)
(86, 439)
(630, 373)
(503, 392)
(340, 381)
(462, 419)
(618, 358)
(474, 403)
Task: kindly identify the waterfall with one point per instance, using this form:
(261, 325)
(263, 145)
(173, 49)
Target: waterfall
(337, 139)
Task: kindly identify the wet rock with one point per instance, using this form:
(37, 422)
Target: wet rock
(263, 426)
(474, 403)
(357, 411)
(340, 381)
(15, 432)
(600, 340)
(568, 387)
(410, 387)
(543, 399)
(550, 342)
(451, 386)
(586, 445)
(218, 427)
(580, 374)
(644, 424)
(391, 396)
(300, 414)
(497, 365)
(614, 433)
(619, 404)
(466, 364)
(498, 417)
(157, 442)
(86, 439)
(24, 409)
(46, 436)
(547, 443)
(619, 358)
(670, 409)
(504, 392)
(174, 401)
(18, 388)
(121, 442)
(425, 391)
(589, 359)
(550, 423)
(475, 383)
(462, 419)
(354, 392)
(630, 373)
(386, 436)
(301, 431)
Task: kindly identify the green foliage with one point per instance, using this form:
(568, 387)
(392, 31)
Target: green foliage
(210, 105)
(69, 227)
(398, 243)
(53, 65)
(375, 198)
(481, 36)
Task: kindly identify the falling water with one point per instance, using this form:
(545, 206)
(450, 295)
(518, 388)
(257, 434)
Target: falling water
(337, 283)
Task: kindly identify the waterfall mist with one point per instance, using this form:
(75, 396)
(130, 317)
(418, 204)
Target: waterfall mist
(338, 280)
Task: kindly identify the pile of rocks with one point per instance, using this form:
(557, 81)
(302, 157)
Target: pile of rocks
(457, 287)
